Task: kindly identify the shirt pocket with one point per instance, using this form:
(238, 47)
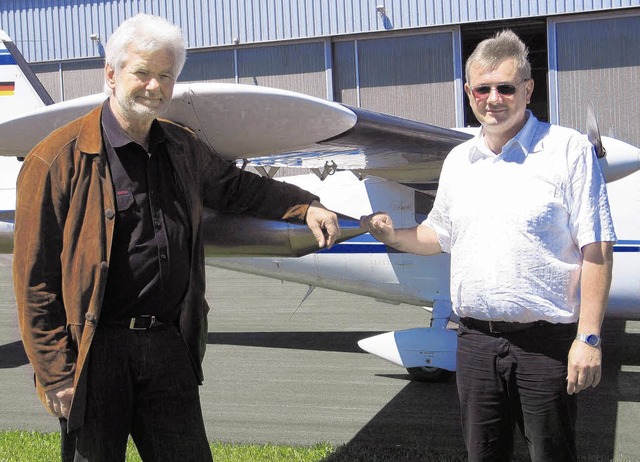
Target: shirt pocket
(124, 200)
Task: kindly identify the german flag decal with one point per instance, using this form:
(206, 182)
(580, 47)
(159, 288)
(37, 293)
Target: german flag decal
(7, 88)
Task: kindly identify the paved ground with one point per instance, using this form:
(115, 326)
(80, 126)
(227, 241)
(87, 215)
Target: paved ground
(281, 374)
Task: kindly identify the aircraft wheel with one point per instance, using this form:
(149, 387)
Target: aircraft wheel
(429, 374)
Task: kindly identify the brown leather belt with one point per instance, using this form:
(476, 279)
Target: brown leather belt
(501, 327)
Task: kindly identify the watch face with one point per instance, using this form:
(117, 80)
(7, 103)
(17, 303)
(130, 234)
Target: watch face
(592, 340)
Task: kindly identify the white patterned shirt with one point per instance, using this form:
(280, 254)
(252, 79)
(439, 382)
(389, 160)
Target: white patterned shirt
(515, 223)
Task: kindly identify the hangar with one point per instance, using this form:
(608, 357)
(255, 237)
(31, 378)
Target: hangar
(401, 57)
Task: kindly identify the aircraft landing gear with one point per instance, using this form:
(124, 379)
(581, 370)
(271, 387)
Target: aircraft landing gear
(429, 374)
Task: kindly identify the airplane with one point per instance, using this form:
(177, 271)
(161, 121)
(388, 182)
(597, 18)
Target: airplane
(360, 162)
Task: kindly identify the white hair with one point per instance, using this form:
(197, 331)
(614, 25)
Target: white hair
(146, 33)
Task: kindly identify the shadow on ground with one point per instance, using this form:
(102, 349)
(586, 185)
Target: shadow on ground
(12, 355)
(399, 433)
(421, 423)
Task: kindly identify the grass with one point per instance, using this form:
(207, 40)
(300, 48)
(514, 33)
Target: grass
(24, 446)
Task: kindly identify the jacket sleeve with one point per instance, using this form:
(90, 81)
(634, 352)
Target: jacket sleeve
(40, 213)
(229, 189)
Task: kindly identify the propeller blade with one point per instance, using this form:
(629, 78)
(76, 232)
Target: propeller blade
(593, 132)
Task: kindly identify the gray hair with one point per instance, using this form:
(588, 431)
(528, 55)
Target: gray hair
(146, 33)
(492, 52)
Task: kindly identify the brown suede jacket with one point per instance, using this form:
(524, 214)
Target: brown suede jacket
(65, 215)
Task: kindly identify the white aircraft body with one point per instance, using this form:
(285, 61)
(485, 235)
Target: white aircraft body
(362, 162)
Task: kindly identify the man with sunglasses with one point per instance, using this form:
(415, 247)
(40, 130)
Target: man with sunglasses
(523, 210)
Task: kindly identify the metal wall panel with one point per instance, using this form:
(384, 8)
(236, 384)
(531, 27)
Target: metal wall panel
(296, 67)
(47, 30)
(81, 78)
(209, 66)
(345, 76)
(598, 61)
(409, 76)
(50, 77)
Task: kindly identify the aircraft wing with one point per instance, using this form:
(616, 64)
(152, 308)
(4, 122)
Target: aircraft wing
(273, 127)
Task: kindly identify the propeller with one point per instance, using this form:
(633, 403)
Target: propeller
(593, 132)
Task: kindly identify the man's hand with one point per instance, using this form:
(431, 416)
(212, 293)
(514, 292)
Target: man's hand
(585, 367)
(59, 399)
(585, 362)
(323, 224)
(379, 225)
(419, 240)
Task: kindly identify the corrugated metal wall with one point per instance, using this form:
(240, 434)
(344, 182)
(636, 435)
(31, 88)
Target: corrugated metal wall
(598, 61)
(408, 76)
(210, 66)
(298, 67)
(48, 30)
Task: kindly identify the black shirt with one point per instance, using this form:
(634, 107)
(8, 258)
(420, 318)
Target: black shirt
(150, 253)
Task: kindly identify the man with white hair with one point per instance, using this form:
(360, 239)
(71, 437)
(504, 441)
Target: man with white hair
(109, 261)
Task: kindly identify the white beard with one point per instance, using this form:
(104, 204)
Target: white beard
(134, 110)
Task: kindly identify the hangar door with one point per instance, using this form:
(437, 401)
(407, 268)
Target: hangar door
(410, 76)
(598, 60)
(291, 66)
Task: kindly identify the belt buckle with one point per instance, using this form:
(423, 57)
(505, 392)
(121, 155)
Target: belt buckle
(133, 326)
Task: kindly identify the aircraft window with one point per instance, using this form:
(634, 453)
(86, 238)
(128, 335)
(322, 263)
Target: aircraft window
(423, 204)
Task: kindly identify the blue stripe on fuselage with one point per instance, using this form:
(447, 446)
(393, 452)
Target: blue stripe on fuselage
(6, 58)
(626, 245)
(364, 243)
(367, 244)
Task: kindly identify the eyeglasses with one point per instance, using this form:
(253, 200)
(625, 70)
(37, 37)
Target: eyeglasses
(505, 89)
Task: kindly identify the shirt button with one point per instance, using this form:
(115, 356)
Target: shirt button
(163, 257)
(109, 213)
(158, 225)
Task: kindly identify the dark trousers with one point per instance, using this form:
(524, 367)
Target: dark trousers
(140, 383)
(519, 379)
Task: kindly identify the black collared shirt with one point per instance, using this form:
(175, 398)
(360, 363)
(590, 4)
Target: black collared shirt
(150, 253)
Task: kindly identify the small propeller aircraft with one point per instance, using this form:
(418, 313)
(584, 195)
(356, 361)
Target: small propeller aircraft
(360, 161)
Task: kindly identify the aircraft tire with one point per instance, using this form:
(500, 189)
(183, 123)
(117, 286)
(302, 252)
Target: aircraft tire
(429, 374)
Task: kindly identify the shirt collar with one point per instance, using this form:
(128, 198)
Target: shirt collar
(119, 138)
(524, 139)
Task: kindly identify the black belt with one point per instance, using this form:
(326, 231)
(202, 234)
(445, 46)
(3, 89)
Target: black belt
(142, 322)
(501, 327)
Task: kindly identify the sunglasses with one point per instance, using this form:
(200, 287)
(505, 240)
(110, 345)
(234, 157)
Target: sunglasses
(505, 89)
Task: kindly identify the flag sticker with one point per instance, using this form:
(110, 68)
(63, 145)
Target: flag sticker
(7, 88)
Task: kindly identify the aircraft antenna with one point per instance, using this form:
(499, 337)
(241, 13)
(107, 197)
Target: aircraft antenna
(311, 289)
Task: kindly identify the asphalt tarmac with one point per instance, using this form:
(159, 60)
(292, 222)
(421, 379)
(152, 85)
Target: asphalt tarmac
(277, 372)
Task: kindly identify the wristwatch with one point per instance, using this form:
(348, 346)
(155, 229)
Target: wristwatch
(590, 339)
